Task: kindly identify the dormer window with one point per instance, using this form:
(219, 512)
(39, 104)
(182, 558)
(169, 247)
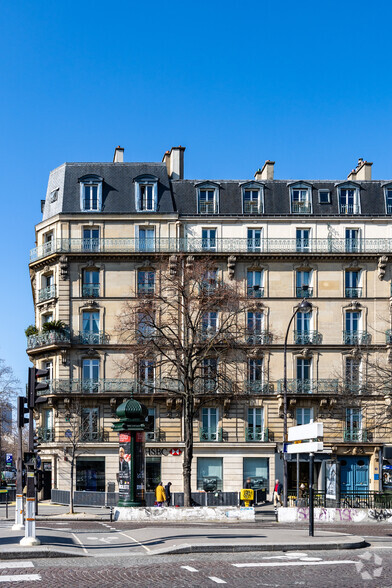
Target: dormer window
(388, 199)
(207, 199)
(146, 193)
(349, 200)
(300, 199)
(91, 193)
(252, 199)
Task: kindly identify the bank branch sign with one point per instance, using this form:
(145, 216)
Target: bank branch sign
(304, 438)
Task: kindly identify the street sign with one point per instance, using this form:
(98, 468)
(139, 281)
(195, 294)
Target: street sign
(302, 432)
(68, 433)
(311, 447)
(8, 458)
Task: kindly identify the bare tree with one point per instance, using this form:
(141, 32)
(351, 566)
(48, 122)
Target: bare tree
(191, 330)
(9, 388)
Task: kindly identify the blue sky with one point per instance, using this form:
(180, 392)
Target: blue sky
(306, 84)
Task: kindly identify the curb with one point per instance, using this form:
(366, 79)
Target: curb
(38, 552)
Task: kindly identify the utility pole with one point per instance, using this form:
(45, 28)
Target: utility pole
(22, 409)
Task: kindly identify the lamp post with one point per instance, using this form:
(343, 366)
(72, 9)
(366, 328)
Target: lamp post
(304, 306)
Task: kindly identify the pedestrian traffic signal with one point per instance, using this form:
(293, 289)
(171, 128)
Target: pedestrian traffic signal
(35, 387)
(22, 411)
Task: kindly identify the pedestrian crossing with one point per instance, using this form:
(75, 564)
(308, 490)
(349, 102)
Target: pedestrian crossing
(7, 566)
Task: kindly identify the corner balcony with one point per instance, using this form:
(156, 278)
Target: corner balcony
(211, 434)
(356, 435)
(257, 434)
(48, 339)
(45, 434)
(305, 386)
(304, 292)
(47, 293)
(90, 290)
(258, 387)
(353, 292)
(87, 338)
(125, 386)
(356, 338)
(257, 337)
(307, 337)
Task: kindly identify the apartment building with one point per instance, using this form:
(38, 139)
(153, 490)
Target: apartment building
(106, 230)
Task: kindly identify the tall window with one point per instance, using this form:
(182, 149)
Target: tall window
(48, 289)
(351, 283)
(352, 374)
(146, 375)
(252, 203)
(349, 201)
(90, 424)
(207, 201)
(90, 334)
(209, 424)
(353, 430)
(47, 432)
(146, 197)
(209, 375)
(209, 282)
(90, 373)
(303, 334)
(150, 426)
(255, 376)
(353, 242)
(91, 193)
(209, 324)
(90, 239)
(352, 334)
(300, 200)
(208, 239)
(254, 240)
(388, 200)
(302, 239)
(255, 328)
(47, 318)
(146, 239)
(303, 281)
(304, 382)
(90, 283)
(304, 416)
(146, 193)
(255, 430)
(145, 283)
(254, 281)
(145, 326)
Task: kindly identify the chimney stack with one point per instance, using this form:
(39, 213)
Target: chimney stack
(363, 171)
(174, 160)
(118, 156)
(267, 171)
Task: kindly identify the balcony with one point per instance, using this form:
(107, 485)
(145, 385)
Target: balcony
(48, 338)
(305, 386)
(252, 207)
(255, 292)
(145, 290)
(47, 293)
(89, 436)
(257, 337)
(356, 337)
(355, 435)
(356, 387)
(301, 207)
(256, 434)
(349, 209)
(353, 292)
(90, 290)
(45, 434)
(304, 292)
(87, 338)
(110, 386)
(330, 245)
(258, 387)
(211, 434)
(307, 337)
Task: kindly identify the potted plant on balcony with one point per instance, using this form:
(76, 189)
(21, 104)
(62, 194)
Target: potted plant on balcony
(54, 328)
(31, 330)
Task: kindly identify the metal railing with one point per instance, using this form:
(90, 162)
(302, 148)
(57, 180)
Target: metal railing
(158, 436)
(301, 207)
(256, 337)
(45, 434)
(94, 436)
(257, 434)
(258, 387)
(305, 386)
(90, 290)
(253, 207)
(304, 292)
(355, 435)
(353, 292)
(211, 434)
(47, 293)
(89, 338)
(255, 292)
(220, 245)
(307, 337)
(104, 385)
(49, 338)
(356, 337)
(349, 209)
(145, 290)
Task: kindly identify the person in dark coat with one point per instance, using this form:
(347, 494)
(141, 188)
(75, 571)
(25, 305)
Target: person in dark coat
(168, 493)
(248, 484)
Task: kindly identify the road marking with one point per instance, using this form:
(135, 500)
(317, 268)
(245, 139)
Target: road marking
(294, 563)
(217, 580)
(80, 543)
(21, 578)
(189, 568)
(16, 564)
(135, 540)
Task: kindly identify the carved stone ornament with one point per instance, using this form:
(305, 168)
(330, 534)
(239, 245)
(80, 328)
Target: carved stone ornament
(354, 305)
(64, 356)
(306, 353)
(47, 269)
(255, 353)
(231, 260)
(189, 263)
(91, 352)
(113, 405)
(381, 266)
(64, 268)
(173, 265)
(256, 306)
(92, 303)
(226, 407)
(292, 402)
(354, 353)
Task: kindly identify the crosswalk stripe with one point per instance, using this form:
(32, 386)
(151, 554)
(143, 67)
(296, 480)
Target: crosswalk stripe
(21, 578)
(15, 564)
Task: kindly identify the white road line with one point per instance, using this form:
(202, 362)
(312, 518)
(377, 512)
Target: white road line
(16, 564)
(217, 580)
(282, 564)
(21, 578)
(135, 540)
(80, 543)
(189, 569)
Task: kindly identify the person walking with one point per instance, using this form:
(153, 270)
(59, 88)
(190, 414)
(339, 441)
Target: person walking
(168, 493)
(160, 495)
(277, 493)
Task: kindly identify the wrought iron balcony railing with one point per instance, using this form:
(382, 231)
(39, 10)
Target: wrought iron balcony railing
(349, 209)
(356, 435)
(353, 292)
(258, 387)
(88, 338)
(220, 245)
(90, 290)
(211, 434)
(307, 337)
(144, 290)
(47, 293)
(104, 385)
(256, 434)
(158, 436)
(304, 292)
(388, 337)
(356, 337)
(48, 338)
(256, 337)
(305, 386)
(356, 387)
(255, 292)
(301, 207)
(45, 434)
(89, 436)
(253, 207)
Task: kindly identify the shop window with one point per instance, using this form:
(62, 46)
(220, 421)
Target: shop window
(90, 474)
(209, 474)
(257, 469)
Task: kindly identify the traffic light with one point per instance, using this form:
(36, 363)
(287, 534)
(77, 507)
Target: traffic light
(36, 443)
(22, 411)
(35, 386)
(38, 480)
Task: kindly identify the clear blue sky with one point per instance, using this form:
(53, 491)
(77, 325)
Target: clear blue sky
(306, 84)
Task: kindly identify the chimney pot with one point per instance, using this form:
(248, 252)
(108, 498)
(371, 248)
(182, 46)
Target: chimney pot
(267, 171)
(174, 160)
(118, 156)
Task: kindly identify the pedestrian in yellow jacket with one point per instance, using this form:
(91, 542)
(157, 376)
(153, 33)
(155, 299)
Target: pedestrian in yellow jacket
(160, 495)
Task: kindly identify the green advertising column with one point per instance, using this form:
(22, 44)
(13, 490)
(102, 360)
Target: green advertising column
(131, 454)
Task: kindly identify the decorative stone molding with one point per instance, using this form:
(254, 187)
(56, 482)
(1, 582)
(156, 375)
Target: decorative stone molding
(64, 269)
(64, 356)
(355, 353)
(92, 303)
(113, 405)
(91, 352)
(255, 353)
(231, 261)
(354, 305)
(179, 404)
(226, 407)
(381, 266)
(173, 265)
(189, 263)
(47, 269)
(305, 353)
(256, 306)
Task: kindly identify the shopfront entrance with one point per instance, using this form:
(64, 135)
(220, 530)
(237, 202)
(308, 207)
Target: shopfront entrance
(354, 474)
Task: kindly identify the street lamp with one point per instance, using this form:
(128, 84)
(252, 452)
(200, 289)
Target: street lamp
(304, 306)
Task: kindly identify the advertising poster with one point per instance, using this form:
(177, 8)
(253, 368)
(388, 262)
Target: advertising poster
(124, 466)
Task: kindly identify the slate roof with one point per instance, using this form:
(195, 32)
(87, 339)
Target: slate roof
(118, 194)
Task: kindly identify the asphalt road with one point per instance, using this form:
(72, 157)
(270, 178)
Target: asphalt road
(365, 567)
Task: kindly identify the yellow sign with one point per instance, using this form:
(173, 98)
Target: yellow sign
(247, 494)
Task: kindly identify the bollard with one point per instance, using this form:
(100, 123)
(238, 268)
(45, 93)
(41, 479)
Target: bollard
(19, 512)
